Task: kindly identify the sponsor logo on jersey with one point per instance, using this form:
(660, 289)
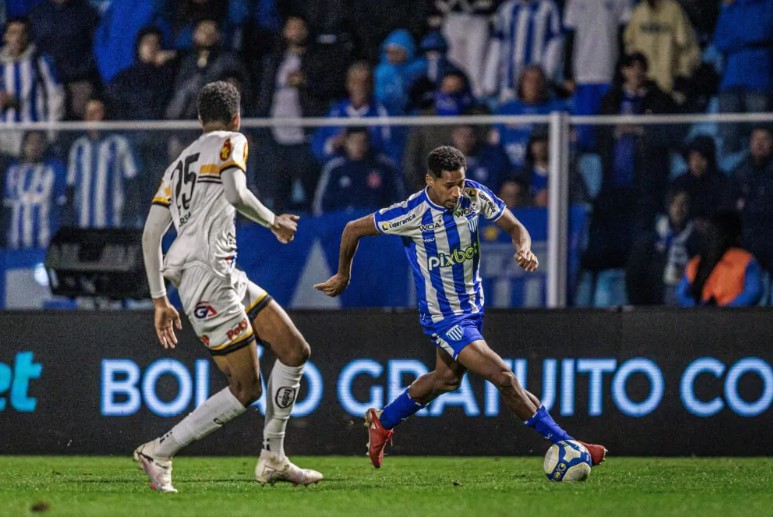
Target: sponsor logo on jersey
(204, 310)
(430, 226)
(284, 397)
(238, 329)
(205, 339)
(396, 224)
(456, 256)
(225, 151)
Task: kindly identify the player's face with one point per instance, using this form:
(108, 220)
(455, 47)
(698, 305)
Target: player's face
(447, 189)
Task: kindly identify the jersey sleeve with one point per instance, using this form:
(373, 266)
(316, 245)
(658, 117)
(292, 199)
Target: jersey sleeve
(163, 196)
(397, 220)
(233, 153)
(491, 207)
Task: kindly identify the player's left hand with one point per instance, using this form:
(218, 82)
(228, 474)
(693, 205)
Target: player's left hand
(285, 226)
(334, 285)
(527, 260)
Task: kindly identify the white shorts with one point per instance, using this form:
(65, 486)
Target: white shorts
(221, 309)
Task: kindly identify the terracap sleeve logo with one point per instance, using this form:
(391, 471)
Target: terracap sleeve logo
(456, 256)
(225, 151)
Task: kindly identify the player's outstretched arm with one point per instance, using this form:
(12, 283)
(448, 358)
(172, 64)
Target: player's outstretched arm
(166, 316)
(236, 192)
(350, 239)
(521, 240)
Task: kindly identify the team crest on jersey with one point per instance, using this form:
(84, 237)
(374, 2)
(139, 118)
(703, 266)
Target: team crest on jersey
(225, 151)
(204, 310)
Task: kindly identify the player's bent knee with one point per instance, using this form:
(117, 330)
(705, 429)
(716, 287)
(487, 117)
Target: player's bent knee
(246, 393)
(447, 383)
(505, 382)
(298, 354)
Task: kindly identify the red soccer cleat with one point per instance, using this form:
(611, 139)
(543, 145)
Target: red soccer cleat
(377, 437)
(598, 453)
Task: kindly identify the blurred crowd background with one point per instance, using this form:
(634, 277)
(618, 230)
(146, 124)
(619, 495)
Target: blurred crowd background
(658, 195)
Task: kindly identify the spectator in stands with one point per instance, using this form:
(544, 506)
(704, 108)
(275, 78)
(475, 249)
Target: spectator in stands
(453, 97)
(397, 71)
(527, 32)
(64, 30)
(203, 64)
(660, 30)
(744, 35)
(361, 179)
(101, 176)
(229, 14)
(329, 140)
(466, 28)
(142, 91)
(115, 40)
(34, 195)
(486, 163)
(433, 66)
(702, 180)
(658, 259)
(593, 34)
(536, 168)
(515, 193)
(635, 158)
(30, 90)
(533, 99)
(751, 194)
(296, 81)
(372, 22)
(723, 274)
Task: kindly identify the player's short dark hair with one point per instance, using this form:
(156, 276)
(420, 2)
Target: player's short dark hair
(445, 158)
(218, 101)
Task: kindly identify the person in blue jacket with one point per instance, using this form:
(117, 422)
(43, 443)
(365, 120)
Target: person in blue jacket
(397, 71)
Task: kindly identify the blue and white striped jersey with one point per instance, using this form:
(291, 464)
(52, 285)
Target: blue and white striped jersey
(527, 33)
(98, 170)
(31, 80)
(443, 249)
(34, 199)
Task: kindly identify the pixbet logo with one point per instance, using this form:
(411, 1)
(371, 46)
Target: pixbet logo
(17, 380)
(456, 257)
(238, 329)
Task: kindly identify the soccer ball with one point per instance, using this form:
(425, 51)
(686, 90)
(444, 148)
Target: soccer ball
(567, 460)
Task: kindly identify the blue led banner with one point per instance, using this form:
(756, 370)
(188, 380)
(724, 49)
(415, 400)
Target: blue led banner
(645, 382)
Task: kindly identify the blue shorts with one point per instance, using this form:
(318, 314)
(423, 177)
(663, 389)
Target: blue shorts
(453, 334)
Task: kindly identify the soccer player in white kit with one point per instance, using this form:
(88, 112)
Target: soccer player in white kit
(200, 193)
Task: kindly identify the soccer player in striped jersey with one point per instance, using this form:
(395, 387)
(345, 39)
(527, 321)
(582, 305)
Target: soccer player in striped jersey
(200, 193)
(439, 227)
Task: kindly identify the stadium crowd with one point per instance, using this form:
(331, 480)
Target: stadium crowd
(658, 195)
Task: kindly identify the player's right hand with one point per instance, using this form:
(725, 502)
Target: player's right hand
(334, 285)
(285, 226)
(166, 319)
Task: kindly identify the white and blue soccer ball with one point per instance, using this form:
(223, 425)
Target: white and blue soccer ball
(567, 460)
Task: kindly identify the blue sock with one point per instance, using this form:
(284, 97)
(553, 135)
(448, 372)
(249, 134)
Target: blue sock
(399, 409)
(544, 424)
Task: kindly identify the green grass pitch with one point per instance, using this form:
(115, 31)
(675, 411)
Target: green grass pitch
(224, 487)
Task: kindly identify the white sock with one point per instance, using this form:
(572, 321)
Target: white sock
(217, 410)
(283, 385)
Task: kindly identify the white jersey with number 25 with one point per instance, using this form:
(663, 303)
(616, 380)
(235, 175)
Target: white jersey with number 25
(204, 220)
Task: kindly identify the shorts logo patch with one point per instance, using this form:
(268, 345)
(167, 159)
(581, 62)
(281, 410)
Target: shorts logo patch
(455, 333)
(285, 396)
(225, 151)
(204, 310)
(237, 329)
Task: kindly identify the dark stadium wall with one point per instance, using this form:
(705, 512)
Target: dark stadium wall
(642, 382)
